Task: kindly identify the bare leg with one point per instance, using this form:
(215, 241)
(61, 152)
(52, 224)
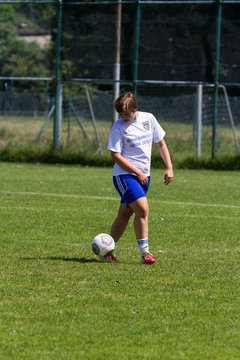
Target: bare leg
(120, 223)
(141, 210)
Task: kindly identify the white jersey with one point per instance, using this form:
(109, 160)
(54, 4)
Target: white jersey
(133, 140)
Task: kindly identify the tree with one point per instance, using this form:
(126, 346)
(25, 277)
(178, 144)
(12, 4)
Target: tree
(17, 57)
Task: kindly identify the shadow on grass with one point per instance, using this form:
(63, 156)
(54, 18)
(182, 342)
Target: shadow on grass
(80, 260)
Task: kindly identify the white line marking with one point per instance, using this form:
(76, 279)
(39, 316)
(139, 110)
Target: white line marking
(90, 197)
(26, 193)
(183, 203)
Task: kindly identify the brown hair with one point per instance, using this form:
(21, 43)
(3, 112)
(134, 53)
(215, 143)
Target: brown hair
(126, 103)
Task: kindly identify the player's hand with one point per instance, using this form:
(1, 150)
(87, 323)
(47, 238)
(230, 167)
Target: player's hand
(142, 178)
(168, 177)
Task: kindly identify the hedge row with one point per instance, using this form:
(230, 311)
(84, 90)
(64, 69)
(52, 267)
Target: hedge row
(33, 154)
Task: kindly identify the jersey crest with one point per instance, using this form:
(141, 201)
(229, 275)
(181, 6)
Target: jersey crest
(146, 125)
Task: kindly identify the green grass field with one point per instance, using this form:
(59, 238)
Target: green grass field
(59, 302)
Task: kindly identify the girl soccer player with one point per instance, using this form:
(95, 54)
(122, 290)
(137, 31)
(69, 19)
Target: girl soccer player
(130, 143)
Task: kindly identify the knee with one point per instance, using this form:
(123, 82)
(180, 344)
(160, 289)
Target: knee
(142, 213)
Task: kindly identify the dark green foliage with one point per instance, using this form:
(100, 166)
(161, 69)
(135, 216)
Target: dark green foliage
(177, 42)
(72, 155)
(20, 58)
(219, 163)
(49, 155)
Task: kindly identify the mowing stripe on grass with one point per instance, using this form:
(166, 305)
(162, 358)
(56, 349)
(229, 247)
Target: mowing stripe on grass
(37, 209)
(90, 197)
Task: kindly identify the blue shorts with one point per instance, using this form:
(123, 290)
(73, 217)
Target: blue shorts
(129, 188)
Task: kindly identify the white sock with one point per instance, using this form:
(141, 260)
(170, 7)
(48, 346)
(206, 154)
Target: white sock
(143, 246)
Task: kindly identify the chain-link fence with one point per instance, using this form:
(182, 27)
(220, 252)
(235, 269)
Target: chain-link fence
(58, 76)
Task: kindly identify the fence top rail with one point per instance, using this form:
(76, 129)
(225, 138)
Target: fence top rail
(112, 2)
(165, 2)
(23, 78)
(112, 81)
(29, 1)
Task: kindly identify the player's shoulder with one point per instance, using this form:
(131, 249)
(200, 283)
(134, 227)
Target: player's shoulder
(147, 116)
(117, 124)
(117, 128)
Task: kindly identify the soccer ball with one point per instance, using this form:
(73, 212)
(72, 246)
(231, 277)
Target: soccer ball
(103, 244)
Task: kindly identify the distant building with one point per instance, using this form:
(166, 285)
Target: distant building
(41, 37)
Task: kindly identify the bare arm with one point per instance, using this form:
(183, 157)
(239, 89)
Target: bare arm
(126, 165)
(163, 150)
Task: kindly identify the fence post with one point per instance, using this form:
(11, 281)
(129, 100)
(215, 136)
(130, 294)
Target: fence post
(216, 84)
(58, 88)
(117, 65)
(199, 119)
(136, 59)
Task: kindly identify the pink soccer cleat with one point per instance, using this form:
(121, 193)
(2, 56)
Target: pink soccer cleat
(109, 258)
(148, 259)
